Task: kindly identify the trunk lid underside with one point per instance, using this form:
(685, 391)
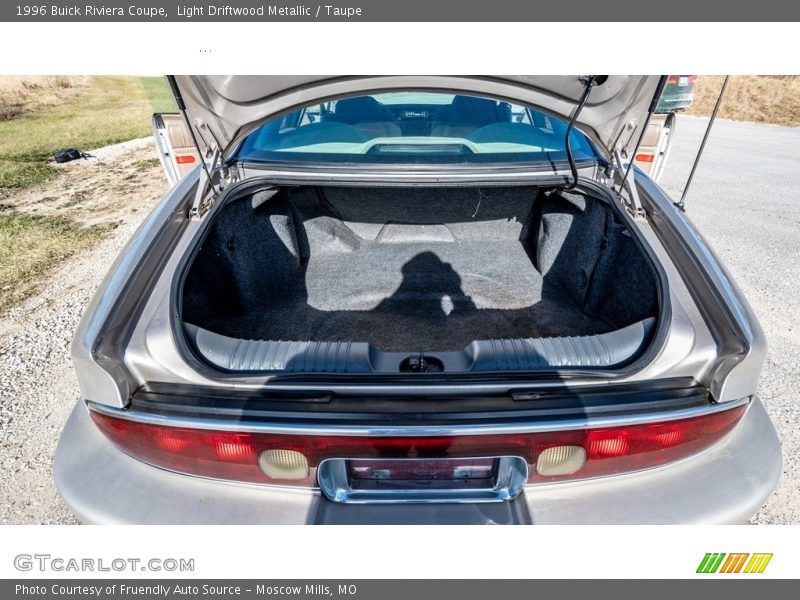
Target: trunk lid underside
(223, 109)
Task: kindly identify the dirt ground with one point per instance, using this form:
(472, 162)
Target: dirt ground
(38, 387)
(115, 183)
(755, 98)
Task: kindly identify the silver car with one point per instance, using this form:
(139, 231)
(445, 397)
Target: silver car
(418, 299)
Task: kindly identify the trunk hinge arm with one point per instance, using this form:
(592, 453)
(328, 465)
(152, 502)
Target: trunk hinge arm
(208, 187)
(632, 203)
(211, 176)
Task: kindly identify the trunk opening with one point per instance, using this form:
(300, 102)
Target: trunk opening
(333, 279)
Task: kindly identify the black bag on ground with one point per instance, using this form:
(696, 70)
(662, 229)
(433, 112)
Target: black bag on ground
(68, 154)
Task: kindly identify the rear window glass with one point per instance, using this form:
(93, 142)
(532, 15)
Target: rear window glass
(414, 128)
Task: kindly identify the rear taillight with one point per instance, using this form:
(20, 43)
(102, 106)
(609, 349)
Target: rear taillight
(681, 79)
(184, 159)
(289, 459)
(645, 157)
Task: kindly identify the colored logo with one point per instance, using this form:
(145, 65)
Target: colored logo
(739, 562)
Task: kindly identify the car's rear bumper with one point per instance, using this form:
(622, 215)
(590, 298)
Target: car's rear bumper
(725, 484)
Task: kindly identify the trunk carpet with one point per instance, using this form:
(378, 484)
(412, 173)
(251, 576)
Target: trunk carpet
(416, 296)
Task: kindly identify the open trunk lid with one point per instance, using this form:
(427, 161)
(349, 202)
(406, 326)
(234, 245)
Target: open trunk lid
(224, 109)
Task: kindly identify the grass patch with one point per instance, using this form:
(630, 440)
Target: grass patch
(159, 95)
(147, 163)
(39, 115)
(102, 111)
(25, 94)
(31, 246)
(19, 173)
(755, 98)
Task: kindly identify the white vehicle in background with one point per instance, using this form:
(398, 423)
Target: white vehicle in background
(654, 150)
(176, 150)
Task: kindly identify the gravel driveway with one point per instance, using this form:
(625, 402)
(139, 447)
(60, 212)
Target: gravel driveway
(744, 199)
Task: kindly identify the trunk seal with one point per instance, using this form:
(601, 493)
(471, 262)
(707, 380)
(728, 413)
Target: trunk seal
(657, 395)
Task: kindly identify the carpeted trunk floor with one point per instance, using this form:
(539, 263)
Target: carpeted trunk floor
(416, 296)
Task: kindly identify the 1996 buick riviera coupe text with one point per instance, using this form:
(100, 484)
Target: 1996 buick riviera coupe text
(417, 300)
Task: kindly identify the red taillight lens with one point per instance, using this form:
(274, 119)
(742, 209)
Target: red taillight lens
(647, 158)
(571, 454)
(681, 79)
(185, 159)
